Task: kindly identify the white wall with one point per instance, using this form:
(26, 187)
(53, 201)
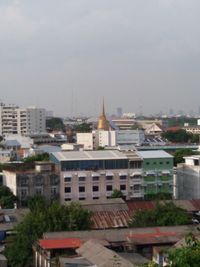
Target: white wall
(85, 139)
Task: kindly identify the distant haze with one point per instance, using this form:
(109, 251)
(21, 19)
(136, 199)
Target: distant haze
(65, 55)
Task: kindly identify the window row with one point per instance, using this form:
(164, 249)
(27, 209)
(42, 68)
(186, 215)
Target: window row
(95, 188)
(94, 178)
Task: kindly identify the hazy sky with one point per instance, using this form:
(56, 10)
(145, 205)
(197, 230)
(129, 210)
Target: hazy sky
(65, 55)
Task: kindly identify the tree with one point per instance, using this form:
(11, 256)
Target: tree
(164, 214)
(83, 128)
(117, 194)
(40, 157)
(44, 217)
(180, 136)
(180, 153)
(55, 124)
(186, 256)
(7, 198)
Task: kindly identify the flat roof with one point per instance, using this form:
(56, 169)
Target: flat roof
(60, 243)
(154, 154)
(88, 155)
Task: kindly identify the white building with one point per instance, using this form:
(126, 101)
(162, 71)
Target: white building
(187, 178)
(15, 120)
(85, 139)
(104, 138)
(129, 137)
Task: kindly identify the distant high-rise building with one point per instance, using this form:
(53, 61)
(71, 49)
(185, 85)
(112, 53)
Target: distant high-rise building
(15, 120)
(119, 112)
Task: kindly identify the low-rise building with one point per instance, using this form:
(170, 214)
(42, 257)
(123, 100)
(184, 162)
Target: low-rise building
(96, 174)
(157, 172)
(28, 180)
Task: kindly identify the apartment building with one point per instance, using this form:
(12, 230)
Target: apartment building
(15, 120)
(157, 172)
(28, 180)
(96, 174)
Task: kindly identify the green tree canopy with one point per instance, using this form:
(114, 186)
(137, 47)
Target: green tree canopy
(164, 214)
(83, 128)
(117, 194)
(186, 256)
(180, 153)
(180, 136)
(7, 198)
(44, 217)
(39, 157)
(55, 124)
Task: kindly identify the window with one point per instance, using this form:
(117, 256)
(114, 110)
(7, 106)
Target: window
(109, 177)
(53, 191)
(67, 179)
(123, 177)
(122, 187)
(136, 187)
(109, 188)
(95, 188)
(38, 191)
(155, 163)
(81, 179)
(147, 163)
(167, 162)
(161, 162)
(95, 197)
(81, 198)
(95, 178)
(68, 189)
(67, 199)
(82, 189)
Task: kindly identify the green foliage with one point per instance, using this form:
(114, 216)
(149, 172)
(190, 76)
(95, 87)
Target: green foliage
(117, 194)
(158, 196)
(83, 128)
(181, 121)
(55, 124)
(164, 214)
(40, 157)
(7, 198)
(186, 256)
(44, 217)
(180, 136)
(180, 153)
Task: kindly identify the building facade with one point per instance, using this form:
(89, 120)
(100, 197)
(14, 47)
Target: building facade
(15, 120)
(96, 174)
(30, 180)
(187, 178)
(157, 172)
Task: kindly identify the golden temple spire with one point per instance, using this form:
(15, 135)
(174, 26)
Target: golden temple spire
(103, 123)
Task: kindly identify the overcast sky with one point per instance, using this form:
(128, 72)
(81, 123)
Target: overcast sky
(65, 55)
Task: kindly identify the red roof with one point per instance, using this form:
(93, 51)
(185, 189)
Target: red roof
(60, 243)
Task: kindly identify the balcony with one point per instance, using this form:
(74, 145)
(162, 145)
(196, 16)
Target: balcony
(96, 194)
(68, 195)
(109, 193)
(82, 195)
(137, 194)
(134, 181)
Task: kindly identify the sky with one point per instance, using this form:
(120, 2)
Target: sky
(66, 55)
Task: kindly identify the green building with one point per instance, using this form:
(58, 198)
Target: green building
(157, 172)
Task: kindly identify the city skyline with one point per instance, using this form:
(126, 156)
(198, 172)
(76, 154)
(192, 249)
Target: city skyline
(59, 55)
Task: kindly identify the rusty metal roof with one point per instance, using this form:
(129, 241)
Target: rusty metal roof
(110, 219)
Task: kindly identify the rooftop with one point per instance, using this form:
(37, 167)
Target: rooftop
(89, 155)
(154, 154)
(60, 243)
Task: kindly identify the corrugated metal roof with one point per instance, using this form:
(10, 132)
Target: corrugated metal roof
(101, 256)
(154, 154)
(89, 155)
(109, 219)
(60, 243)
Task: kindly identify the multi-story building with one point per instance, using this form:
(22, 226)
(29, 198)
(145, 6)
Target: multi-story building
(96, 174)
(28, 180)
(187, 178)
(157, 172)
(15, 120)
